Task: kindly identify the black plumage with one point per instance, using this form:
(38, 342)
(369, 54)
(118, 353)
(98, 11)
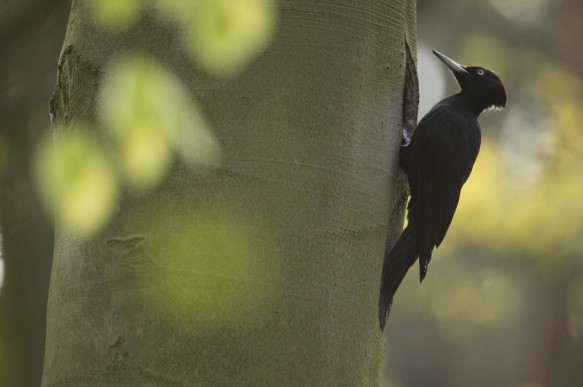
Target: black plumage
(438, 161)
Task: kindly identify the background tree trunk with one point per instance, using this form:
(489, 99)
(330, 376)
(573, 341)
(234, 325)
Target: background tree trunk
(310, 134)
(31, 33)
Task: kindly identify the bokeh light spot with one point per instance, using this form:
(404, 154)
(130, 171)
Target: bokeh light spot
(228, 34)
(150, 115)
(523, 11)
(115, 14)
(76, 180)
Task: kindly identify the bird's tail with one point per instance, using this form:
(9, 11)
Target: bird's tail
(396, 263)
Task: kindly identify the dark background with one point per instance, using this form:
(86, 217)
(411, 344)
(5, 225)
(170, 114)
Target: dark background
(31, 36)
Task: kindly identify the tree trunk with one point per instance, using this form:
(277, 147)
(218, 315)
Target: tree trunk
(31, 33)
(266, 271)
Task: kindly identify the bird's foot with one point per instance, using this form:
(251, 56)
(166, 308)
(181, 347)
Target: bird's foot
(406, 140)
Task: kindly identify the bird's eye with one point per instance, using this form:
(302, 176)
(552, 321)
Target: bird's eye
(480, 72)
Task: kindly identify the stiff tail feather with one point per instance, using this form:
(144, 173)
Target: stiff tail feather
(396, 263)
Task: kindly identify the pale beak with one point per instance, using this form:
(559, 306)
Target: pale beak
(452, 64)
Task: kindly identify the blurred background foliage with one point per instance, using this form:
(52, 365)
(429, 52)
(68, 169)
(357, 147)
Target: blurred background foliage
(146, 120)
(503, 304)
(145, 111)
(223, 36)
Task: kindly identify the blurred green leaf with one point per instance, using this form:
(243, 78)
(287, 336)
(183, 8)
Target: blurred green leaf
(76, 181)
(224, 35)
(115, 14)
(150, 114)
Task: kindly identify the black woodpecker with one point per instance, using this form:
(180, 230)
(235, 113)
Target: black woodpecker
(438, 160)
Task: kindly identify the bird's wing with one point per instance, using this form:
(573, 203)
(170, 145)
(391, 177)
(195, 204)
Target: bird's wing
(440, 176)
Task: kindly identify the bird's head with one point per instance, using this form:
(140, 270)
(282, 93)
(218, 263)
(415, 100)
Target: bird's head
(483, 86)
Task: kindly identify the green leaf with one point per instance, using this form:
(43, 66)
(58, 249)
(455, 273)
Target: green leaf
(150, 115)
(76, 181)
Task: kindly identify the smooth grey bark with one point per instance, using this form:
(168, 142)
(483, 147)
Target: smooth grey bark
(310, 134)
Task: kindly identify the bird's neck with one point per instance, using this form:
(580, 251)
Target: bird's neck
(467, 102)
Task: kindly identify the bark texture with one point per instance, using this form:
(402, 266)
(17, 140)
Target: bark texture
(310, 133)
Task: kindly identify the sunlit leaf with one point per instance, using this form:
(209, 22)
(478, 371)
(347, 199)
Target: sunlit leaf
(225, 35)
(193, 139)
(146, 154)
(76, 180)
(115, 13)
(150, 115)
